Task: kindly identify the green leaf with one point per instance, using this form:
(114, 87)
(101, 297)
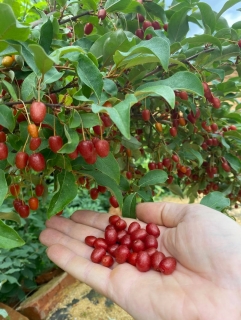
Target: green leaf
(28, 88)
(188, 152)
(175, 189)
(164, 91)
(89, 120)
(10, 216)
(9, 238)
(145, 195)
(3, 187)
(90, 75)
(7, 119)
(10, 28)
(178, 25)
(10, 89)
(52, 76)
(117, 40)
(46, 36)
(199, 40)
(226, 6)
(208, 16)
(129, 206)
(74, 120)
(131, 143)
(153, 177)
(108, 166)
(42, 60)
(104, 180)
(97, 47)
(65, 193)
(57, 54)
(156, 10)
(119, 114)
(116, 5)
(156, 48)
(215, 200)
(234, 162)
(110, 87)
(233, 134)
(182, 80)
(73, 140)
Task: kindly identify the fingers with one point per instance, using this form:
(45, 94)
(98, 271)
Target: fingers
(95, 219)
(80, 268)
(166, 214)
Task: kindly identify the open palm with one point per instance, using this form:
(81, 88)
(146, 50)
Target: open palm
(206, 284)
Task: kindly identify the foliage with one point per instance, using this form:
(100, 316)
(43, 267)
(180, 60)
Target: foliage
(20, 266)
(121, 85)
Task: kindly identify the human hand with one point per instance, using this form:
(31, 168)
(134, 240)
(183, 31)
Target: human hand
(205, 285)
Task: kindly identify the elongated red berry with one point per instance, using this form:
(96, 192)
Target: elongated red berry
(102, 148)
(88, 28)
(34, 143)
(168, 265)
(37, 111)
(3, 151)
(21, 160)
(14, 189)
(33, 203)
(37, 162)
(39, 190)
(143, 261)
(55, 143)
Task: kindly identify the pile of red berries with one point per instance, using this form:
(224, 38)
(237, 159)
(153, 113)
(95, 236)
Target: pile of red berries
(135, 245)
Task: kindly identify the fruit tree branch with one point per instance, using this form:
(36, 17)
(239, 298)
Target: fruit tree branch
(76, 17)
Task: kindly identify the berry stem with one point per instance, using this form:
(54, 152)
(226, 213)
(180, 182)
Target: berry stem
(29, 122)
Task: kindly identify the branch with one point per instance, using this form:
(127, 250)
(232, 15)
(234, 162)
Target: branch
(173, 64)
(70, 85)
(76, 17)
(37, 22)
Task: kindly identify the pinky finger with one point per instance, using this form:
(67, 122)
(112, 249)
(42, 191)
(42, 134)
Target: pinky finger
(94, 275)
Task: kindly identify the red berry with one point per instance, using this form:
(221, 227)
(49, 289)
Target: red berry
(98, 129)
(159, 165)
(101, 189)
(23, 210)
(132, 258)
(170, 179)
(107, 261)
(100, 243)
(3, 151)
(39, 190)
(97, 255)
(232, 127)
(226, 167)
(128, 175)
(37, 162)
(126, 240)
(183, 95)
(120, 235)
(239, 43)
(113, 201)
(139, 33)
(150, 251)
(120, 225)
(214, 127)
(191, 118)
(55, 143)
(166, 162)
(88, 28)
(146, 114)
(138, 245)
(216, 103)
(152, 165)
(173, 131)
(122, 254)
(73, 155)
(14, 189)
(34, 143)
(110, 236)
(140, 17)
(92, 158)
(133, 226)
(156, 25)
(52, 98)
(165, 26)
(151, 241)
(113, 219)
(111, 249)
(138, 234)
(86, 148)
(106, 120)
(168, 265)
(143, 261)
(153, 229)
(94, 193)
(89, 240)
(2, 136)
(21, 160)
(146, 24)
(17, 203)
(156, 259)
(102, 148)
(33, 203)
(102, 14)
(37, 111)
(175, 158)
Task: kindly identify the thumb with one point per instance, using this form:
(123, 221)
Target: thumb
(166, 214)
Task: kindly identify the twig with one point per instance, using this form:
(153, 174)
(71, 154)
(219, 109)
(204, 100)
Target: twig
(76, 17)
